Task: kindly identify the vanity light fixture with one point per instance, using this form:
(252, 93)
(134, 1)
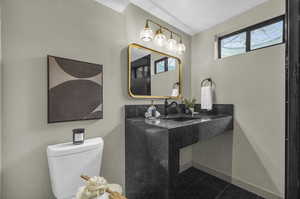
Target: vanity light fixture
(160, 38)
(147, 33)
(172, 44)
(181, 48)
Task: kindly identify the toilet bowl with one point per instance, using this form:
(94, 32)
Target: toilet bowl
(67, 162)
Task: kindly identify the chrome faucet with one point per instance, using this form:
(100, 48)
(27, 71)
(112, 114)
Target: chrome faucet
(167, 105)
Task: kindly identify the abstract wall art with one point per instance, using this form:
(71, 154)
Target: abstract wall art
(75, 90)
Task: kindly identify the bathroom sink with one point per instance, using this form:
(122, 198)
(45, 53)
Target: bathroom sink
(183, 118)
(179, 118)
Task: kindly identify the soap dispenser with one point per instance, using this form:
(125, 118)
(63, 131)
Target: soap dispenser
(152, 111)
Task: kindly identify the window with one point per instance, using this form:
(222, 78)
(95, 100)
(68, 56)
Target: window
(165, 64)
(160, 66)
(233, 45)
(265, 34)
(171, 64)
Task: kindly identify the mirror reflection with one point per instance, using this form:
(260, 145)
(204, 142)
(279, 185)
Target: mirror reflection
(153, 74)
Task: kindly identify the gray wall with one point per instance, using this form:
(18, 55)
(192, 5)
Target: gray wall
(253, 154)
(78, 29)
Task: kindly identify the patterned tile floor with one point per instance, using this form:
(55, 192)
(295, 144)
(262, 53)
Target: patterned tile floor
(195, 184)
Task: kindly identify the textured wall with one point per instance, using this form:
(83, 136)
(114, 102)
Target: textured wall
(255, 83)
(78, 29)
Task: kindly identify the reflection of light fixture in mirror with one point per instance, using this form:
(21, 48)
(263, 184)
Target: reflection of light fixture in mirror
(172, 44)
(147, 33)
(175, 90)
(160, 38)
(181, 48)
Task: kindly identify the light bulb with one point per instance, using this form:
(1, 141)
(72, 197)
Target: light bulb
(160, 38)
(181, 48)
(172, 44)
(147, 33)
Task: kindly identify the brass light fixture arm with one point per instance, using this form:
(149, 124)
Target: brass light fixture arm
(164, 28)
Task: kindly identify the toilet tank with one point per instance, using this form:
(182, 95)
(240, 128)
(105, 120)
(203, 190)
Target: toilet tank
(67, 162)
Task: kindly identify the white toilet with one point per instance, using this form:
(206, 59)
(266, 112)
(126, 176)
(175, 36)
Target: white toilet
(67, 162)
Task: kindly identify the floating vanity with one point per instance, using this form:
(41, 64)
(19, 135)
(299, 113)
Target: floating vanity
(152, 146)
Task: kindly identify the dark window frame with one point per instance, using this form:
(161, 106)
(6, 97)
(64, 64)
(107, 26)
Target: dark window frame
(142, 65)
(248, 30)
(165, 60)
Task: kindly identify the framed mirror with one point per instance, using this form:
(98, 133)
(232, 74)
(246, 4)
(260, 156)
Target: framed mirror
(153, 74)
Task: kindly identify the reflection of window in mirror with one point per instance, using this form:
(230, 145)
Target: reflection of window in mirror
(171, 64)
(165, 64)
(161, 65)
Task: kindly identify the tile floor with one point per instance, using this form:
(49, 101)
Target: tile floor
(195, 184)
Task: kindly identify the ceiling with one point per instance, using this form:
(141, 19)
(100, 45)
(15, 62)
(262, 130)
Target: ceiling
(190, 16)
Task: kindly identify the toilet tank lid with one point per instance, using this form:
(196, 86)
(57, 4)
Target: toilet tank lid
(70, 148)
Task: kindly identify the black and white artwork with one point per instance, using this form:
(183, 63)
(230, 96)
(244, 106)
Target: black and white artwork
(75, 90)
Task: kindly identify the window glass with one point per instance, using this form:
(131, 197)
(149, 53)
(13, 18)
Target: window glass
(160, 66)
(171, 64)
(233, 45)
(267, 36)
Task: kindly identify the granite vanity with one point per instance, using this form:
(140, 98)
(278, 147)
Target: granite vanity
(152, 146)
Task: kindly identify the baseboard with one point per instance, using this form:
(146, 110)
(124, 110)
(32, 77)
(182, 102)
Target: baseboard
(185, 166)
(238, 182)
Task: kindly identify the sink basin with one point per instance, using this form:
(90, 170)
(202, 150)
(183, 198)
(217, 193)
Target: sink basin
(183, 118)
(180, 118)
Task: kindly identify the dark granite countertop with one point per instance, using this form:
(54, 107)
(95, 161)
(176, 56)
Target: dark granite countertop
(170, 122)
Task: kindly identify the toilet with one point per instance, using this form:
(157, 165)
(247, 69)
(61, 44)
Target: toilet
(67, 162)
